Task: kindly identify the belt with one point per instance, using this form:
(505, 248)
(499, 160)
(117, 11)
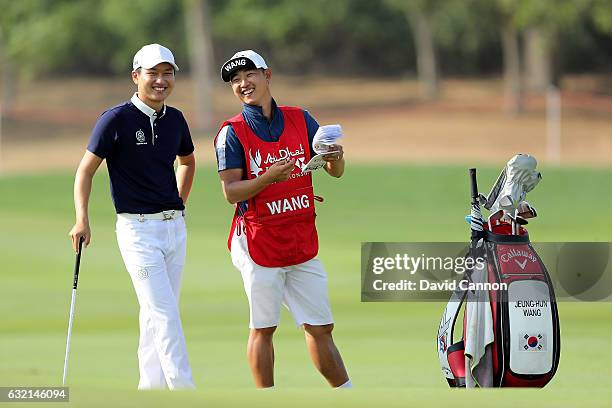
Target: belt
(164, 215)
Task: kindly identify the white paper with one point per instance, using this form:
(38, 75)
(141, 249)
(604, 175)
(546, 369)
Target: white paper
(315, 163)
(325, 137)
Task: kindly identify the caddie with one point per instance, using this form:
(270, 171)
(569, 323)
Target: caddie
(261, 154)
(140, 140)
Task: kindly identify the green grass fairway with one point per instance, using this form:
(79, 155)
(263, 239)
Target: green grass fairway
(389, 348)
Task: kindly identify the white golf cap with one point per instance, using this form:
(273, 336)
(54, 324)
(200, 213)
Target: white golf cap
(152, 54)
(247, 59)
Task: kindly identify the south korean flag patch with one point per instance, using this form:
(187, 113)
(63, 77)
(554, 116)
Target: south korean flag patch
(532, 342)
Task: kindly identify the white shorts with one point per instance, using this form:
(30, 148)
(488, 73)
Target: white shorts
(301, 288)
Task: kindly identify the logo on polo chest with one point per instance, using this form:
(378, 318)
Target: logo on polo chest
(236, 63)
(140, 138)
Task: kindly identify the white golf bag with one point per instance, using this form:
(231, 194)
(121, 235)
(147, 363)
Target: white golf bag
(511, 336)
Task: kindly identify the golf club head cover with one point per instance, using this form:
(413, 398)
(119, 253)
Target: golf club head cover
(518, 177)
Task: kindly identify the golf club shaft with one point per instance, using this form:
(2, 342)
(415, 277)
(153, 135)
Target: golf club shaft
(68, 337)
(516, 224)
(75, 283)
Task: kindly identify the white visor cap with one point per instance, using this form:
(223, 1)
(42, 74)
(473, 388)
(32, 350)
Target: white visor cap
(152, 54)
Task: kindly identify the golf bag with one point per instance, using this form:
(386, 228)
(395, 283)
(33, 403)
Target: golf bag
(517, 325)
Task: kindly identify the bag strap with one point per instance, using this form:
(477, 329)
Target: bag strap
(445, 334)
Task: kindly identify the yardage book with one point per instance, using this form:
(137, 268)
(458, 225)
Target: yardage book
(316, 162)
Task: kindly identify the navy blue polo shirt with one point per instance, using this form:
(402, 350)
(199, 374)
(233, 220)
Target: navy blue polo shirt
(140, 147)
(230, 153)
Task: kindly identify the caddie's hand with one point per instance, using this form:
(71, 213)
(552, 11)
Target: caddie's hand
(336, 156)
(80, 229)
(280, 171)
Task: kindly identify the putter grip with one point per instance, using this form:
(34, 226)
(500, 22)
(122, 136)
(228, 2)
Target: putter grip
(77, 264)
(473, 185)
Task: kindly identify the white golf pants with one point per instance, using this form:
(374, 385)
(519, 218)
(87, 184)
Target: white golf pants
(154, 254)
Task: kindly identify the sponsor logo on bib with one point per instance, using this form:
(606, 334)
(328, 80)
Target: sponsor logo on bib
(255, 163)
(258, 165)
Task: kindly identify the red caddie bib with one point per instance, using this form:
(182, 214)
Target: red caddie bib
(280, 221)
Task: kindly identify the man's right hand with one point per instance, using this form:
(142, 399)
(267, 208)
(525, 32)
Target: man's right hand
(280, 171)
(80, 229)
(235, 189)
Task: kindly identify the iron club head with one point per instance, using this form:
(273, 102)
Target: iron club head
(525, 210)
(495, 217)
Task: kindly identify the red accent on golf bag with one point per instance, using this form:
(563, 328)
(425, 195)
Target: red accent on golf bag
(526, 333)
(456, 361)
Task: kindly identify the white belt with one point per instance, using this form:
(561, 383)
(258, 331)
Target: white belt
(164, 215)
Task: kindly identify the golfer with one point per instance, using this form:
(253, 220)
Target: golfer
(273, 240)
(140, 141)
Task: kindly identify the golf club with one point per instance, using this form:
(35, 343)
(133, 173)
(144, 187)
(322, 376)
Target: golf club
(494, 217)
(72, 304)
(516, 221)
(520, 221)
(512, 220)
(525, 210)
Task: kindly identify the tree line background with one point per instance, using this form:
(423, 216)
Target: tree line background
(532, 43)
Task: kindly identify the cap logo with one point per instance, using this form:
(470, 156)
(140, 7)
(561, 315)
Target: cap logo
(234, 64)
